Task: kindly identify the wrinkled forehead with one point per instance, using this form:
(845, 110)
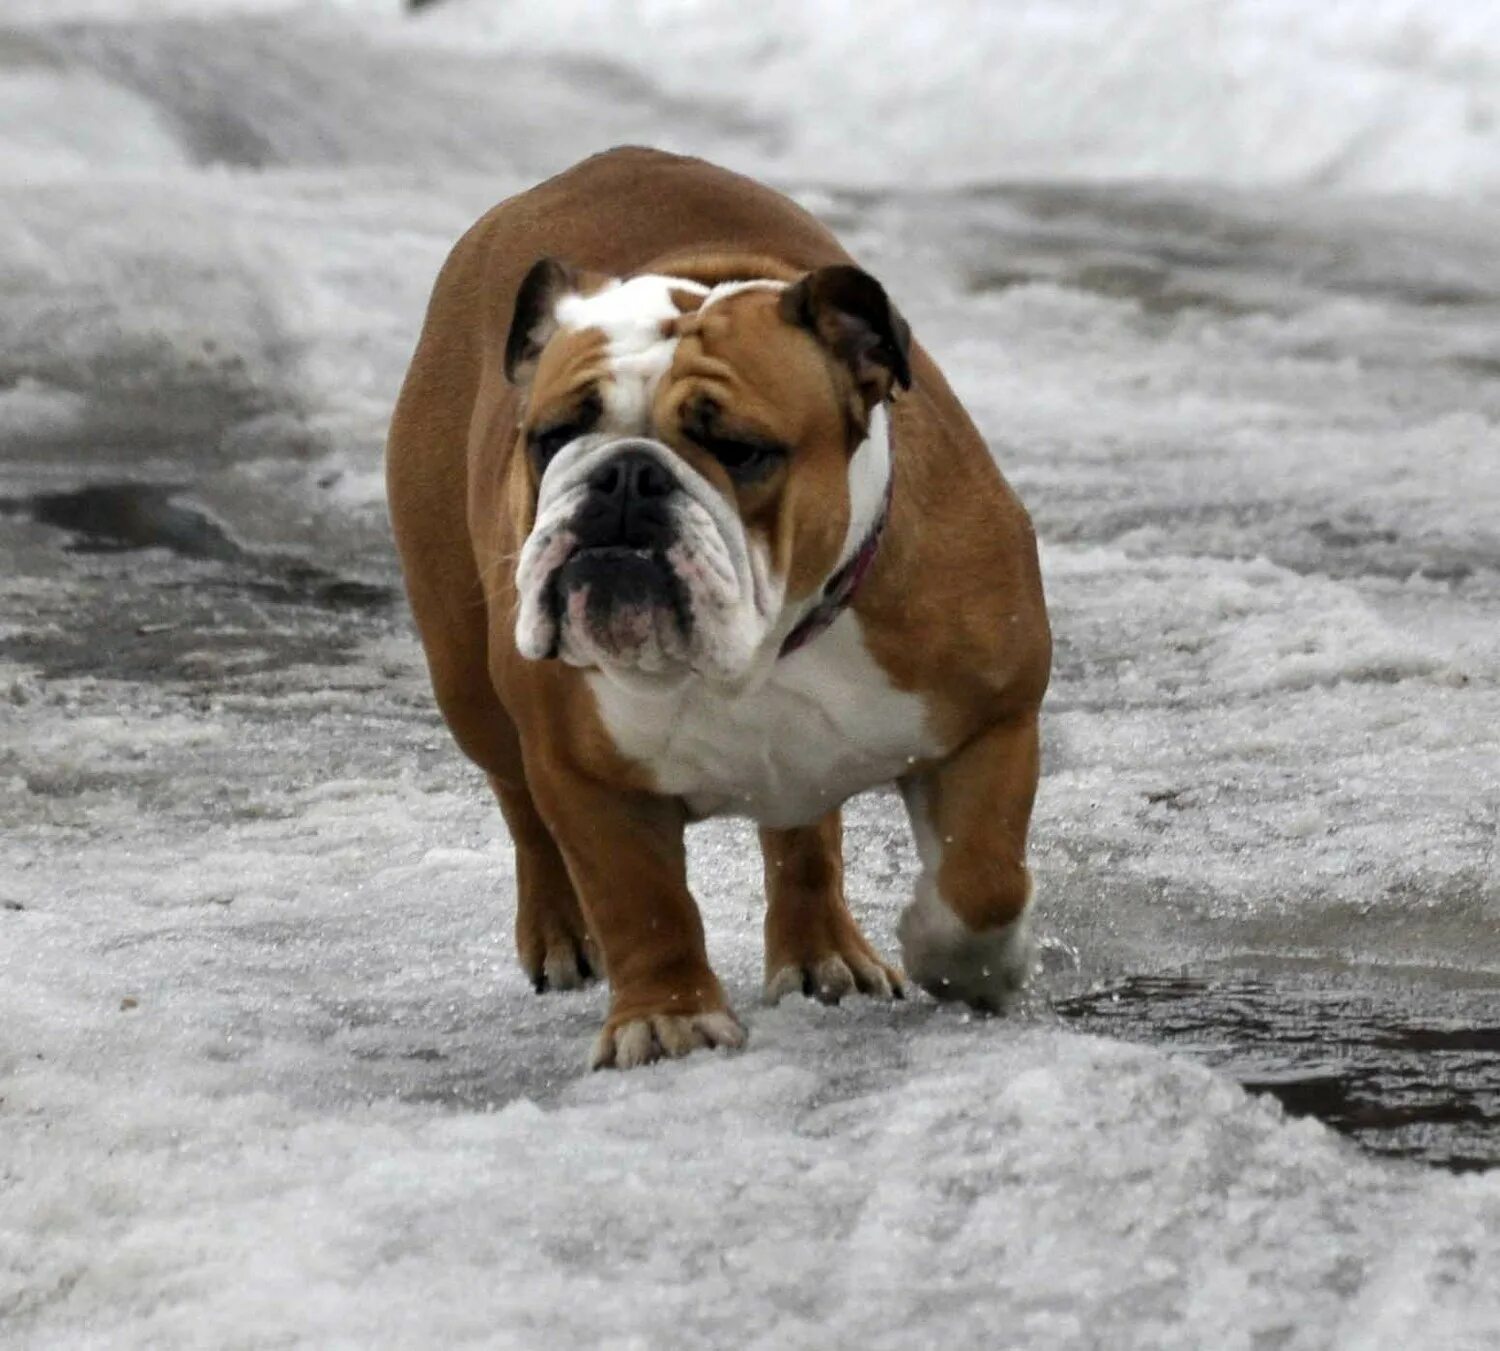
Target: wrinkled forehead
(623, 338)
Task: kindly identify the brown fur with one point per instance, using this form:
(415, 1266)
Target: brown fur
(952, 608)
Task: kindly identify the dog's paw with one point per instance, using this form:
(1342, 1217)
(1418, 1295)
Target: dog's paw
(560, 958)
(825, 956)
(985, 969)
(831, 976)
(639, 1041)
(567, 966)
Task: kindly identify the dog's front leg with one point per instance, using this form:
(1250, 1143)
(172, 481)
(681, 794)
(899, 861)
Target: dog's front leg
(966, 935)
(625, 853)
(813, 944)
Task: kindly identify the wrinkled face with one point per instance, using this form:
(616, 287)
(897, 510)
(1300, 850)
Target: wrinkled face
(700, 464)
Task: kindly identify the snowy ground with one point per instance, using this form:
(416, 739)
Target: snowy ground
(268, 1073)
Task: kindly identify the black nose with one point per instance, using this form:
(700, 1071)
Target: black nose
(626, 504)
(635, 473)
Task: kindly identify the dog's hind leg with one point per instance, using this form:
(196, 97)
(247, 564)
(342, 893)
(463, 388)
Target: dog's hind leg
(553, 942)
(426, 457)
(967, 934)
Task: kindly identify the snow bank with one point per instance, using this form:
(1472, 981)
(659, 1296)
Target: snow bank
(257, 326)
(59, 123)
(1394, 96)
(126, 11)
(1399, 95)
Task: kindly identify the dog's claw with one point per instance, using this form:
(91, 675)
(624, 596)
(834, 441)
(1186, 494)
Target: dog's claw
(642, 1040)
(834, 976)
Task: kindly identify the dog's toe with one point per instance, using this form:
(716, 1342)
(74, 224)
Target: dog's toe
(642, 1040)
(828, 979)
(566, 967)
(563, 963)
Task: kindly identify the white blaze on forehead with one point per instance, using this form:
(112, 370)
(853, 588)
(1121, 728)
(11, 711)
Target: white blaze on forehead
(633, 315)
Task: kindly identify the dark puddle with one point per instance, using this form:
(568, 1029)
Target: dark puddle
(1409, 1071)
(186, 600)
(118, 517)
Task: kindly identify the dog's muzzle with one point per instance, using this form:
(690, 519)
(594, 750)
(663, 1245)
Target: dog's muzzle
(636, 563)
(617, 599)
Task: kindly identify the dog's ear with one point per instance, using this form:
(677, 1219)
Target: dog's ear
(848, 311)
(534, 319)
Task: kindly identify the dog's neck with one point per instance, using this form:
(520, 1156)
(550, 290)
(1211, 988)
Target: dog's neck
(838, 591)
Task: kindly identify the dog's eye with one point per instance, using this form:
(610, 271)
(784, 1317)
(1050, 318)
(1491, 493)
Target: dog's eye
(745, 460)
(547, 441)
(745, 457)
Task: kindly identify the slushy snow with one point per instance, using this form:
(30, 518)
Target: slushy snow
(269, 1074)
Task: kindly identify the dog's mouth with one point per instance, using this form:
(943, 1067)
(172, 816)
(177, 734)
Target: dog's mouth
(621, 607)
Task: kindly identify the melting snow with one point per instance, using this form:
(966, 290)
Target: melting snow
(268, 1072)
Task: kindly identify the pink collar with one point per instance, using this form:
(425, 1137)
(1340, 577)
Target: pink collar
(838, 591)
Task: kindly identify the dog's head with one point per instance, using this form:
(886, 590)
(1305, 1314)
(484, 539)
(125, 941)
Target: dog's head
(694, 463)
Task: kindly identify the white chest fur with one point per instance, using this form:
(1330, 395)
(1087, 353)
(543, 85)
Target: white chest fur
(825, 725)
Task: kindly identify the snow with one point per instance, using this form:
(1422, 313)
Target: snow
(269, 1074)
(1394, 96)
(971, 1197)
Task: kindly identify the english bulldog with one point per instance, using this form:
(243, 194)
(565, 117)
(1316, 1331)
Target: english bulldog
(690, 525)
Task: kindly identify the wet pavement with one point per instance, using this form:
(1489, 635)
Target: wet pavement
(1408, 1069)
(139, 583)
